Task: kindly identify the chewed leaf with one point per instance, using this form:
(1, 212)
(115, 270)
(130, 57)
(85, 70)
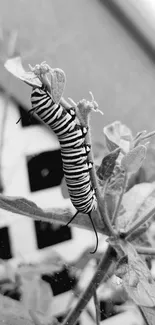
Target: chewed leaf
(107, 165)
(58, 81)
(15, 67)
(133, 160)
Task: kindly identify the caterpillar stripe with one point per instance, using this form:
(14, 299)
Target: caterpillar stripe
(74, 150)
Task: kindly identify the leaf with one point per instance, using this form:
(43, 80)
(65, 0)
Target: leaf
(58, 80)
(13, 312)
(36, 294)
(111, 146)
(61, 215)
(106, 168)
(138, 281)
(138, 202)
(116, 180)
(49, 263)
(118, 135)
(15, 67)
(148, 314)
(40, 319)
(133, 160)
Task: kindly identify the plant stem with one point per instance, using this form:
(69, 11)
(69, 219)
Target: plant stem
(108, 261)
(120, 199)
(139, 223)
(101, 209)
(97, 308)
(145, 250)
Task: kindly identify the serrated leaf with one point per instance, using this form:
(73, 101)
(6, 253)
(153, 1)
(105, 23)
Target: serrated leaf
(133, 160)
(138, 281)
(106, 168)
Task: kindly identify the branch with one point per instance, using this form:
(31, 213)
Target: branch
(103, 215)
(108, 261)
(139, 223)
(97, 308)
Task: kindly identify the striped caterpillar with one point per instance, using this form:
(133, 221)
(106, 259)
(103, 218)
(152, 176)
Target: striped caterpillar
(74, 149)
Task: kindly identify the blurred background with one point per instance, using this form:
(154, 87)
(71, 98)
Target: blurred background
(107, 47)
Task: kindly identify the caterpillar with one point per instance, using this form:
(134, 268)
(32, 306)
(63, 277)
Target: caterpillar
(74, 149)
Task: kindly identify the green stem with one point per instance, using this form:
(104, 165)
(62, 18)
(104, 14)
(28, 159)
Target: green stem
(108, 261)
(97, 308)
(125, 181)
(101, 208)
(139, 223)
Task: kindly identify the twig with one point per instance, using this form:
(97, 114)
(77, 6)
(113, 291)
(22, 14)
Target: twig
(120, 199)
(139, 223)
(108, 261)
(101, 207)
(145, 250)
(97, 308)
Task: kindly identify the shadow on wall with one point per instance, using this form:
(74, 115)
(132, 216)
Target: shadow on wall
(130, 27)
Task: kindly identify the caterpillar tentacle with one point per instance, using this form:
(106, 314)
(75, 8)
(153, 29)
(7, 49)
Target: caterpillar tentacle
(94, 251)
(89, 214)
